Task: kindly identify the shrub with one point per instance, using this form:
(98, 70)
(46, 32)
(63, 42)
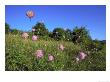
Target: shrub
(40, 29)
(80, 35)
(58, 34)
(7, 28)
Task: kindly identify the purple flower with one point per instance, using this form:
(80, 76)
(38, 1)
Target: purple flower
(82, 55)
(34, 38)
(50, 57)
(25, 35)
(39, 53)
(61, 47)
(33, 30)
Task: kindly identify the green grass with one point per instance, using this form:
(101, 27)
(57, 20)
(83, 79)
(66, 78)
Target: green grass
(20, 56)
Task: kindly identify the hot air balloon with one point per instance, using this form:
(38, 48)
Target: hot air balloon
(30, 14)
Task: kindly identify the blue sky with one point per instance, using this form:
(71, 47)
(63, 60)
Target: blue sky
(91, 16)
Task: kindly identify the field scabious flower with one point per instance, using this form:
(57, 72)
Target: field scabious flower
(34, 38)
(77, 59)
(82, 55)
(61, 47)
(25, 35)
(33, 30)
(50, 57)
(39, 53)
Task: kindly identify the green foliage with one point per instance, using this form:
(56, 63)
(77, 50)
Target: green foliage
(40, 29)
(68, 35)
(20, 53)
(97, 44)
(7, 28)
(15, 31)
(58, 34)
(80, 35)
(20, 56)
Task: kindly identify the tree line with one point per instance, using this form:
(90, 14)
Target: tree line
(79, 35)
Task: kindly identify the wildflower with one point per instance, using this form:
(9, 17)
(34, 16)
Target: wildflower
(82, 55)
(61, 47)
(45, 45)
(39, 53)
(79, 36)
(50, 57)
(77, 59)
(25, 35)
(56, 32)
(33, 30)
(34, 38)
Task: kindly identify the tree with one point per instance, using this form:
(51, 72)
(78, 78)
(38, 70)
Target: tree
(15, 31)
(68, 35)
(97, 44)
(40, 29)
(58, 34)
(7, 28)
(80, 35)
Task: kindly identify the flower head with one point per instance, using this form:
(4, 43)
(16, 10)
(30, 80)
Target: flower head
(82, 55)
(50, 57)
(25, 35)
(34, 38)
(33, 30)
(77, 59)
(61, 47)
(39, 53)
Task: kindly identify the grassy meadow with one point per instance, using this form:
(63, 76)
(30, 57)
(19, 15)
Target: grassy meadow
(20, 56)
